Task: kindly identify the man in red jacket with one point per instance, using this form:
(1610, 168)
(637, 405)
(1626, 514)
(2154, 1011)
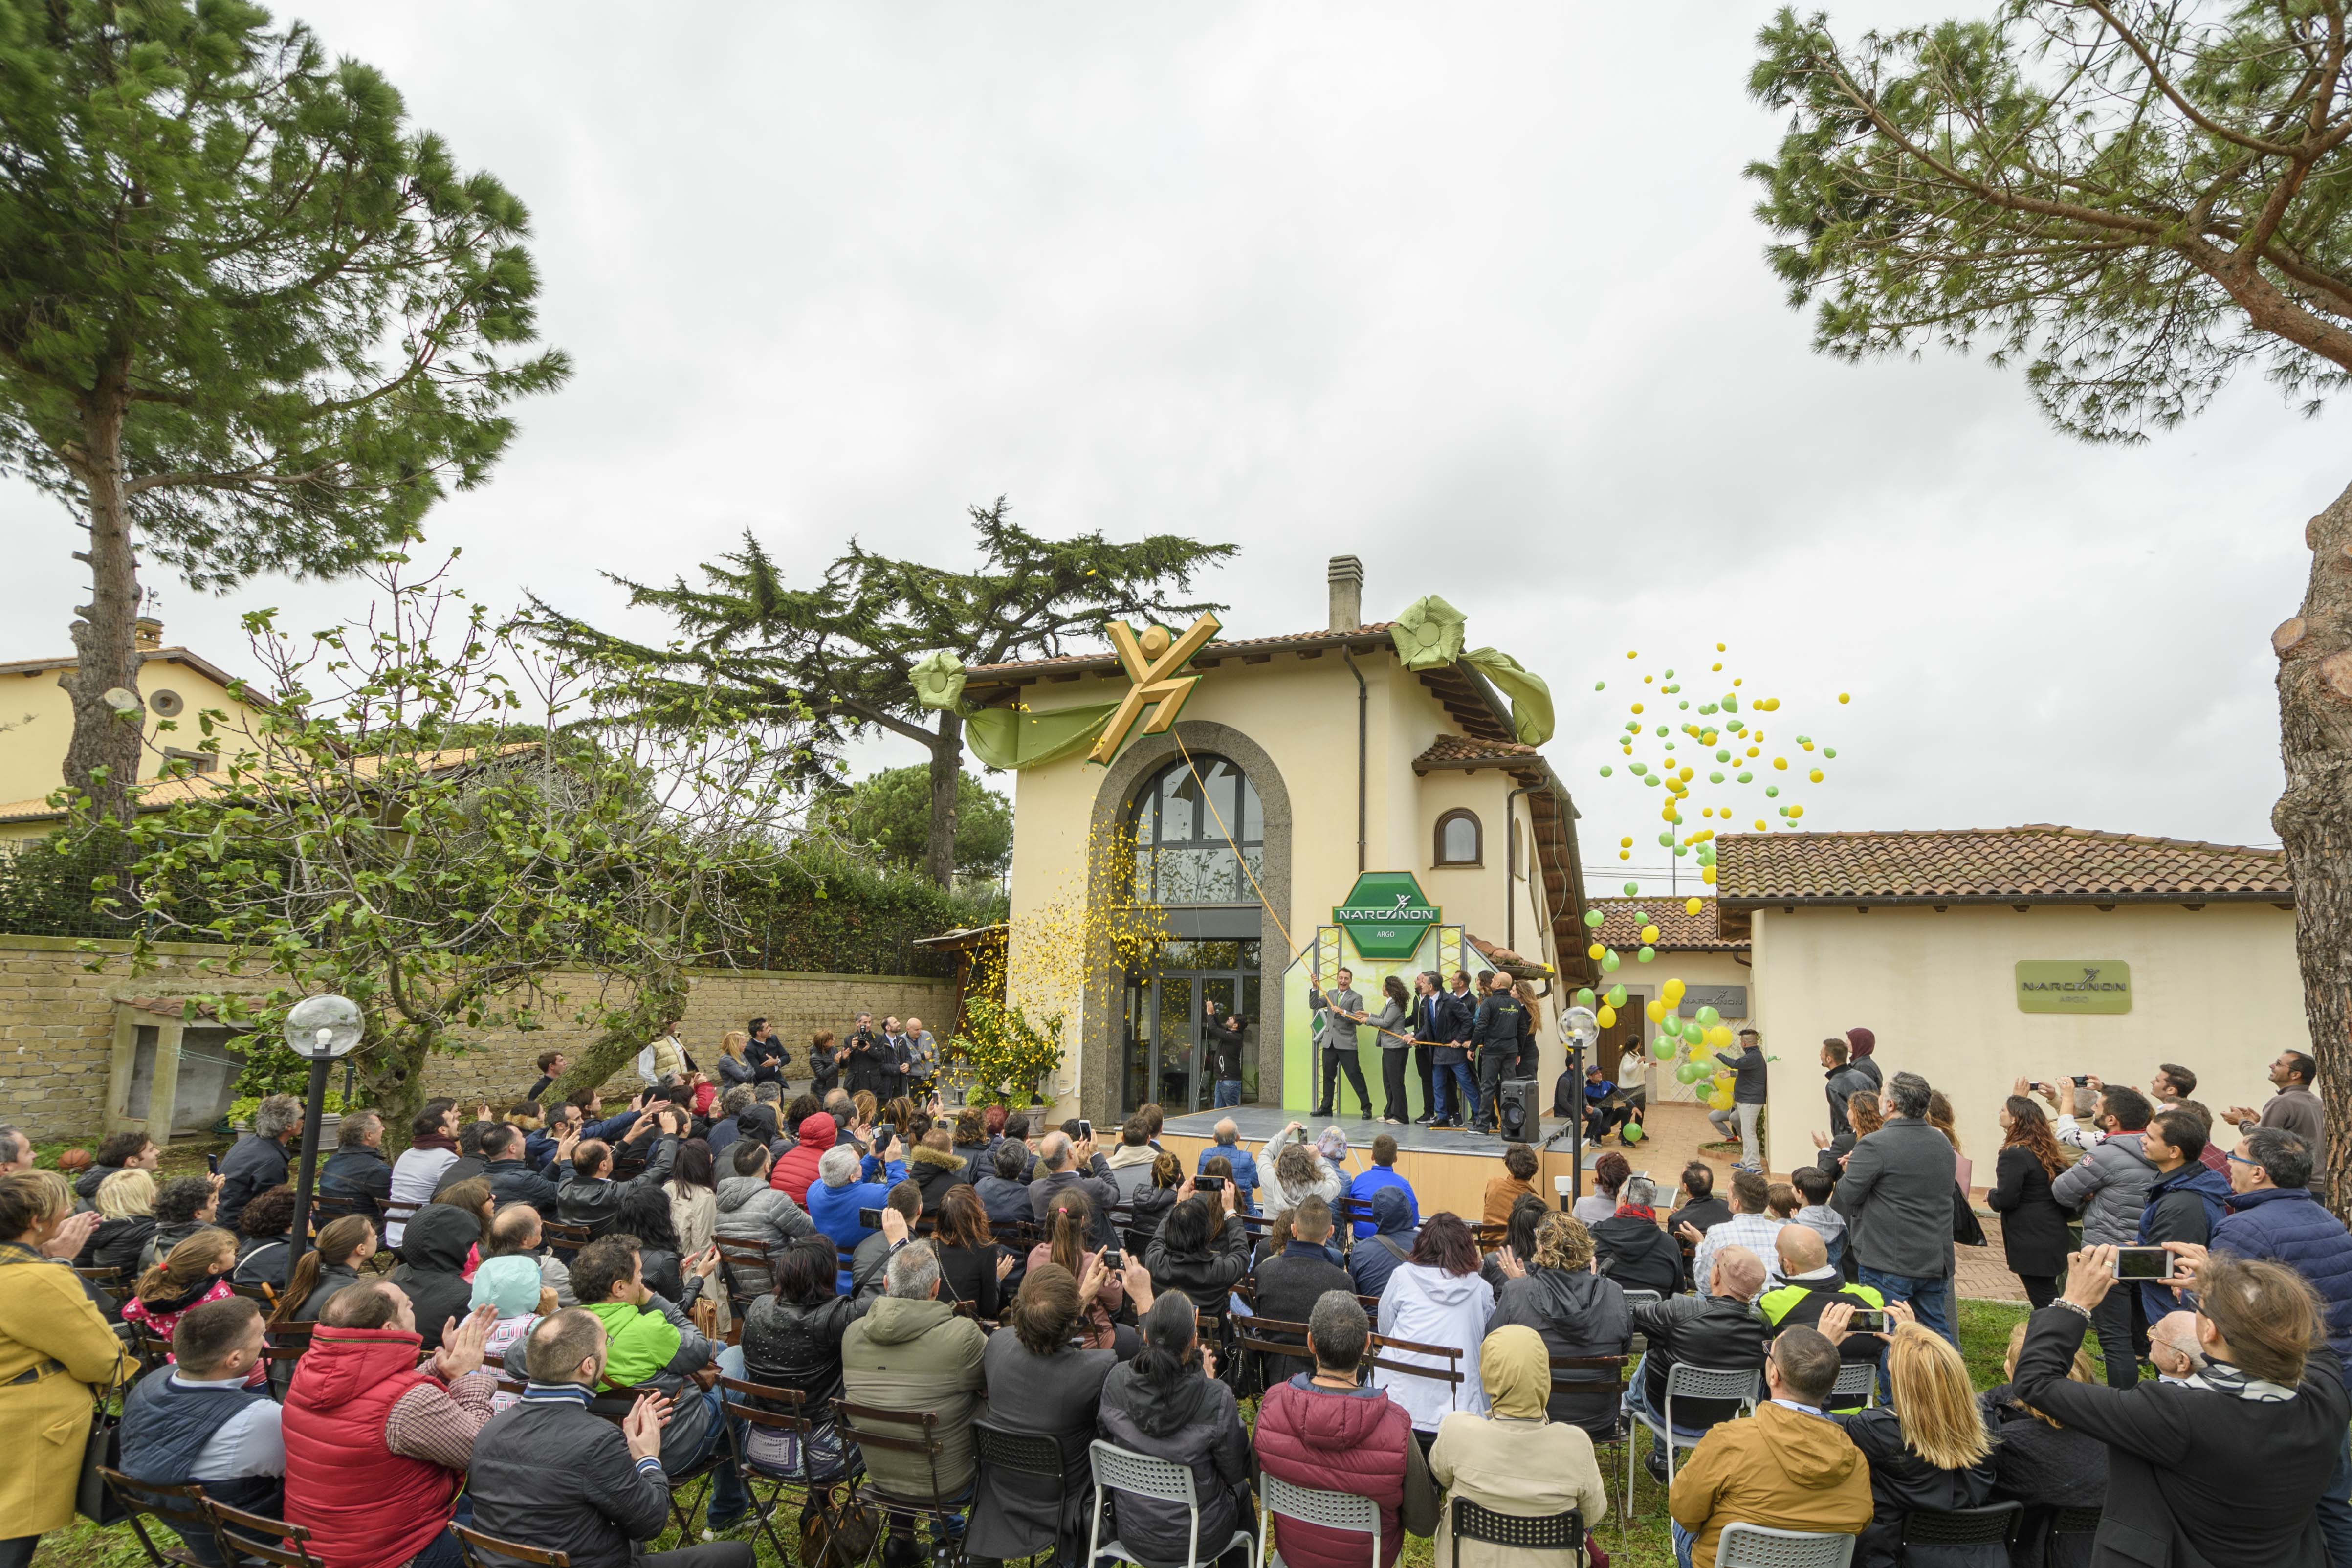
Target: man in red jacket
(1321, 1430)
(378, 1436)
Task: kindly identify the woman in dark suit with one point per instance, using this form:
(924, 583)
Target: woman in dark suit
(2032, 1223)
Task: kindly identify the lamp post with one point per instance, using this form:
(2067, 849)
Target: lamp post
(318, 1029)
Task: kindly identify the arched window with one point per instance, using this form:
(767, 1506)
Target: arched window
(1189, 820)
(1459, 840)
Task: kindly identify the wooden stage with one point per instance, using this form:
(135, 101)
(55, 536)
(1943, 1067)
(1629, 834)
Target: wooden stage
(1448, 1171)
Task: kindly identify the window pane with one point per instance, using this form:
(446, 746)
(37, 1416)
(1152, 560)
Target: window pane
(1461, 841)
(1178, 813)
(1203, 875)
(1252, 821)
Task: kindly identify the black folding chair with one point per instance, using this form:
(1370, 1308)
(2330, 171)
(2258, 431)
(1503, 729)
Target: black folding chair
(564, 1240)
(1523, 1533)
(481, 1551)
(681, 1507)
(1037, 1455)
(749, 1256)
(750, 1402)
(1994, 1524)
(1268, 1340)
(263, 1540)
(2072, 1531)
(862, 1424)
(181, 1507)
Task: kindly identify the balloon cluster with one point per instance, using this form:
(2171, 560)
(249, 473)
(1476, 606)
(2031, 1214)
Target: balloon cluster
(1726, 755)
(1689, 1044)
(1610, 959)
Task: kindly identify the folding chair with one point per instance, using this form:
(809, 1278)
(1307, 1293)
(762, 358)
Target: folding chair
(742, 1399)
(1449, 1374)
(182, 1508)
(400, 1214)
(1124, 1470)
(154, 1350)
(1691, 1383)
(1335, 1511)
(749, 1256)
(1994, 1524)
(270, 1540)
(1857, 1385)
(1521, 1531)
(280, 1360)
(681, 1510)
(2072, 1531)
(106, 1279)
(256, 1293)
(1269, 1338)
(1003, 1451)
(1641, 1298)
(1755, 1546)
(861, 1424)
(564, 1240)
(481, 1551)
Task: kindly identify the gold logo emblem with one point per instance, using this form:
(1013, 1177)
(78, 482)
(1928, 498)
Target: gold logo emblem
(1152, 662)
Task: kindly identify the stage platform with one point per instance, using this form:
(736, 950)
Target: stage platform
(1447, 1170)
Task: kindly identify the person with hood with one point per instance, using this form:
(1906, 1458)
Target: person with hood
(2185, 1202)
(1042, 1382)
(126, 1222)
(2109, 1186)
(796, 1169)
(184, 1205)
(1578, 1314)
(1321, 1428)
(911, 1353)
(754, 1212)
(1291, 1282)
(1168, 1403)
(1843, 1078)
(934, 1166)
(838, 1194)
(1863, 1043)
(1004, 1189)
(1790, 1468)
(2043, 1465)
(1928, 1451)
(1630, 1247)
(1382, 1174)
(1130, 1158)
(1375, 1258)
(431, 1271)
(1513, 1459)
(792, 1339)
(257, 1162)
(346, 1246)
(1291, 1170)
(1202, 1251)
(379, 1431)
(1436, 1298)
(1151, 1202)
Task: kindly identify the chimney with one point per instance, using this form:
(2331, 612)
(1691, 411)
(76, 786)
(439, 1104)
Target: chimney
(1347, 576)
(147, 634)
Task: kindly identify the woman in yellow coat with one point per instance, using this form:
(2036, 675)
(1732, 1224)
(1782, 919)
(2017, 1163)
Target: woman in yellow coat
(57, 1355)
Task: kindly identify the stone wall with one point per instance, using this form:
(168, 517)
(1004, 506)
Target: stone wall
(58, 1024)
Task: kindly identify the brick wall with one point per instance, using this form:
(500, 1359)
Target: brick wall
(57, 1025)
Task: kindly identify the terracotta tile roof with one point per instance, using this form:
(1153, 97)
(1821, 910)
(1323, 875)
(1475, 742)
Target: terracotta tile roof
(2040, 862)
(196, 661)
(1466, 750)
(1375, 631)
(1678, 932)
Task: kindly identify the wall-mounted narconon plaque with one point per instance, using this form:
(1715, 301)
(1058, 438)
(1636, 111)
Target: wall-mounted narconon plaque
(2073, 985)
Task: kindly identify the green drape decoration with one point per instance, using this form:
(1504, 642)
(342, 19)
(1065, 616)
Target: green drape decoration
(1014, 738)
(1531, 714)
(1428, 635)
(939, 680)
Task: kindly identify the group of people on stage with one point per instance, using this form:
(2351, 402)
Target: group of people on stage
(1463, 1042)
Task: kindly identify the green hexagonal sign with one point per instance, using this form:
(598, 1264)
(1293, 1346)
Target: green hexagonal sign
(1386, 914)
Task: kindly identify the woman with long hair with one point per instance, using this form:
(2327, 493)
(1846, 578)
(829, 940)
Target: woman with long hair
(643, 1213)
(971, 1265)
(1150, 1203)
(2043, 1465)
(693, 1189)
(1863, 1117)
(1201, 1250)
(1040, 1380)
(194, 1272)
(1396, 1051)
(1168, 1402)
(733, 1066)
(792, 1339)
(346, 1244)
(1928, 1450)
(1069, 1222)
(2033, 1235)
(1438, 1298)
(1579, 1313)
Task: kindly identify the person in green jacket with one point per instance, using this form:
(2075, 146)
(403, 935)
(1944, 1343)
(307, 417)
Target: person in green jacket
(911, 1353)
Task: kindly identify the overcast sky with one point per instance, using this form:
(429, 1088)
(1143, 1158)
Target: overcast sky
(1472, 292)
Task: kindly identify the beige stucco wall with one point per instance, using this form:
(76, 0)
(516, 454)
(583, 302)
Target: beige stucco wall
(57, 1025)
(1303, 713)
(2216, 989)
(32, 753)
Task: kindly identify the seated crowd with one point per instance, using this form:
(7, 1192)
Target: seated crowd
(550, 1363)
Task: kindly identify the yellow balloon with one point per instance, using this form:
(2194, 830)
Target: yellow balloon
(1719, 1037)
(1625, 853)
(1794, 812)
(1631, 654)
(1759, 824)
(1815, 776)
(1780, 763)
(1845, 697)
(1657, 1012)
(1649, 933)
(1691, 906)
(1672, 991)
(1627, 842)
(1637, 707)
(1707, 874)
(1720, 1099)
(1594, 952)
(1606, 1017)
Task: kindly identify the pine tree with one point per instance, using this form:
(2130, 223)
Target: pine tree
(250, 319)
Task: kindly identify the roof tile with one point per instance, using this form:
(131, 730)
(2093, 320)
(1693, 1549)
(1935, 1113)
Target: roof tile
(1678, 929)
(2040, 862)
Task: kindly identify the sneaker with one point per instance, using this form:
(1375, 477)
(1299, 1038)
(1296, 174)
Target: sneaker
(1655, 1463)
(1444, 1124)
(719, 1529)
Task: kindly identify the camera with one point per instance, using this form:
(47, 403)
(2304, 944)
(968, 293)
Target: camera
(870, 1218)
(1113, 1258)
(2143, 1263)
(1086, 1131)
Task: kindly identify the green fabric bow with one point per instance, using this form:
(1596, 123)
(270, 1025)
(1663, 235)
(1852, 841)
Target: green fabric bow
(1428, 635)
(939, 680)
(1531, 715)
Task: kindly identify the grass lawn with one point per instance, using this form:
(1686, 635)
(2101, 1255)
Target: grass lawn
(1645, 1544)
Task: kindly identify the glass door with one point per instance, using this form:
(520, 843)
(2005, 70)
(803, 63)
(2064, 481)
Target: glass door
(1178, 1045)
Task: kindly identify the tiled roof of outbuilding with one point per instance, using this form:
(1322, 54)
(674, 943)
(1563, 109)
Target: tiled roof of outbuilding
(2040, 862)
(1678, 931)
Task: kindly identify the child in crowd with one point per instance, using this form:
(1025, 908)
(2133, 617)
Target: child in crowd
(1812, 1185)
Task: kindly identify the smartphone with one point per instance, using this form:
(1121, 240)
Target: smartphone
(1208, 1183)
(2081, 1081)
(1086, 1131)
(2143, 1263)
(1867, 1321)
(212, 1163)
(870, 1218)
(1113, 1258)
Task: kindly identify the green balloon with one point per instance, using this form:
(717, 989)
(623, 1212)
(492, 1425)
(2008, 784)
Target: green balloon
(1708, 1017)
(1829, 750)
(1584, 996)
(1689, 1072)
(1715, 777)
(1616, 994)
(1666, 838)
(1646, 954)
(1682, 849)
(1631, 1132)
(1662, 1047)
(1772, 790)
(1600, 686)
(1723, 754)
(1746, 777)
(1693, 1031)
(1594, 917)
(1610, 961)
(1606, 770)
(1632, 888)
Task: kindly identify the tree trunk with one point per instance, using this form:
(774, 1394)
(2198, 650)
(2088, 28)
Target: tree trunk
(2314, 817)
(102, 758)
(947, 778)
(658, 998)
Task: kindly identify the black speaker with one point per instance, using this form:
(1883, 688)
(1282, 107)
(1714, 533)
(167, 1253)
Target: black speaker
(1518, 1116)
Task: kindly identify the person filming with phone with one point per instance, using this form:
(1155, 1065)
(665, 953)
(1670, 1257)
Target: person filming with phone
(2109, 1186)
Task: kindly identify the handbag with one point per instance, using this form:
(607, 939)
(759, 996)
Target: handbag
(1967, 1230)
(838, 1535)
(93, 1499)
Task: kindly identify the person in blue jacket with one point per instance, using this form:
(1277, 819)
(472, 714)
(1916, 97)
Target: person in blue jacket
(1244, 1178)
(844, 1185)
(1382, 1174)
(2188, 1202)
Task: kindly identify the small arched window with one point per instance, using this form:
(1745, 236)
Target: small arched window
(1459, 840)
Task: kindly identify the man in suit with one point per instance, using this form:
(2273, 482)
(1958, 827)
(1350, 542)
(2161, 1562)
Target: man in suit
(1339, 1010)
(1454, 1103)
(1429, 1009)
